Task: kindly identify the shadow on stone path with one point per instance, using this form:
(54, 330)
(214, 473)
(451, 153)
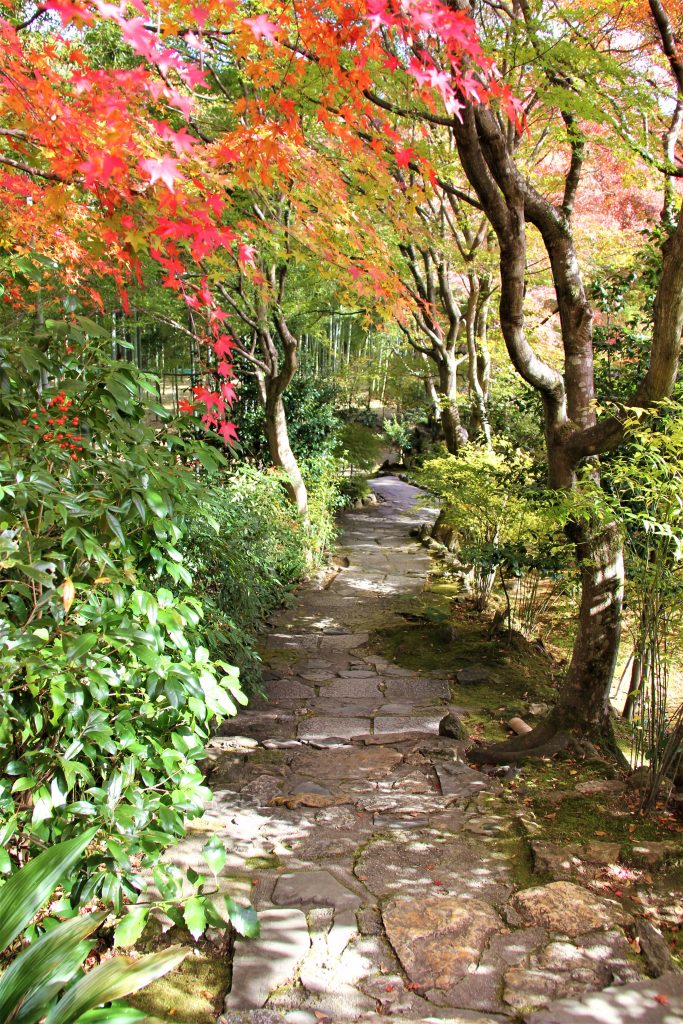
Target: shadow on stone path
(381, 865)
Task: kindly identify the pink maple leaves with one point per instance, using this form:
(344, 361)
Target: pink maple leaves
(164, 169)
(263, 28)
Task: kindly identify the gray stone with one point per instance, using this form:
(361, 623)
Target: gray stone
(300, 1017)
(425, 862)
(560, 862)
(658, 1001)
(513, 948)
(653, 948)
(369, 920)
(344, 929)
(343, 643)
(290, 689)
(311, 787)
(356, 689)
(451, 725)
(250, 1017)
(262, 965)
(393, 738)
(263, 789)
(601, 787)
(325, 727)
(414, 723)
(493, 825)
(476, 675)
(395, 709)
(416, 690)
(479, 990)
(349, 764)
(460, 780)
(653, 853)
(314, 888)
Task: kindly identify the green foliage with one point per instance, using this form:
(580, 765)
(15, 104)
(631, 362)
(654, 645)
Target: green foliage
(263, 551)
(359, 447)
(647, 494)
(354, 488)
(45, 981)
(515, 414)
(311, 419)
(398, 434)
(504, 521)
(107, 689)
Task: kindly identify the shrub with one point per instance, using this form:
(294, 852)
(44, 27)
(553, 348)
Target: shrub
(312, 422)
(359, 447)
(504, 521)
(107, 689)
(354, 488)
(398, 434)
(45, 981)
(263, 551)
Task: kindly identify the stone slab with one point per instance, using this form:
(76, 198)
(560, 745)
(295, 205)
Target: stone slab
(460, 780)
(439, 939)
(354, 763)
(290, 689)
(416, 690)
(658, 1001)
(407, 724)
(421, 863)
(314, 888)
(263, 965)
(567, 909)
(355, 689)
(324, 727)
(343, 643)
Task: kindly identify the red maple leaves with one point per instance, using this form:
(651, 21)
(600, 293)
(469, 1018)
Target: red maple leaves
(98, 160)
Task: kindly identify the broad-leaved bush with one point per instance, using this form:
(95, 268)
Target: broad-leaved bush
(108, 690)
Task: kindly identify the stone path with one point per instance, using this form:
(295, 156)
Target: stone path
(382, 866)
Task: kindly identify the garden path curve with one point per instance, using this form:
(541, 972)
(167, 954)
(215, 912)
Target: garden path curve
(383, 866)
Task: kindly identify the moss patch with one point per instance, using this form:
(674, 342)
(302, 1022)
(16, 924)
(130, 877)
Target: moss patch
(193, 993)
(262, 863)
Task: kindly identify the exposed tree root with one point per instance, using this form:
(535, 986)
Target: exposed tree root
(546, 740)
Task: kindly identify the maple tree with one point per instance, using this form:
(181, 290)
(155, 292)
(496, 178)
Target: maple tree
(451, 294)
(103, 163)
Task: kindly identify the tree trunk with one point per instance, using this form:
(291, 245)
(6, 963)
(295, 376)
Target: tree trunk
(448, 391)
(479, 421)
(583, 703)
(281, 451)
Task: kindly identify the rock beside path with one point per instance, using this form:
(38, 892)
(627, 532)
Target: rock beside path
(567, 909)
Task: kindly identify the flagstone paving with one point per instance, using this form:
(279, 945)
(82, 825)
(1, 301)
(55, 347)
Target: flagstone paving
(379, 861)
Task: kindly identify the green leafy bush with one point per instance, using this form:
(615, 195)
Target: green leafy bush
(504, 521)
(45, 980)
(264, 550)
(354, 488)
(312, 422)
(359, 447)
(107, 689)
(398, 434)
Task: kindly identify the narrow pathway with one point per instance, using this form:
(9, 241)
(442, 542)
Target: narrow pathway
(382, 866)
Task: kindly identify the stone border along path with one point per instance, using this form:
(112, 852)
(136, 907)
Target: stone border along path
(376, 858)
